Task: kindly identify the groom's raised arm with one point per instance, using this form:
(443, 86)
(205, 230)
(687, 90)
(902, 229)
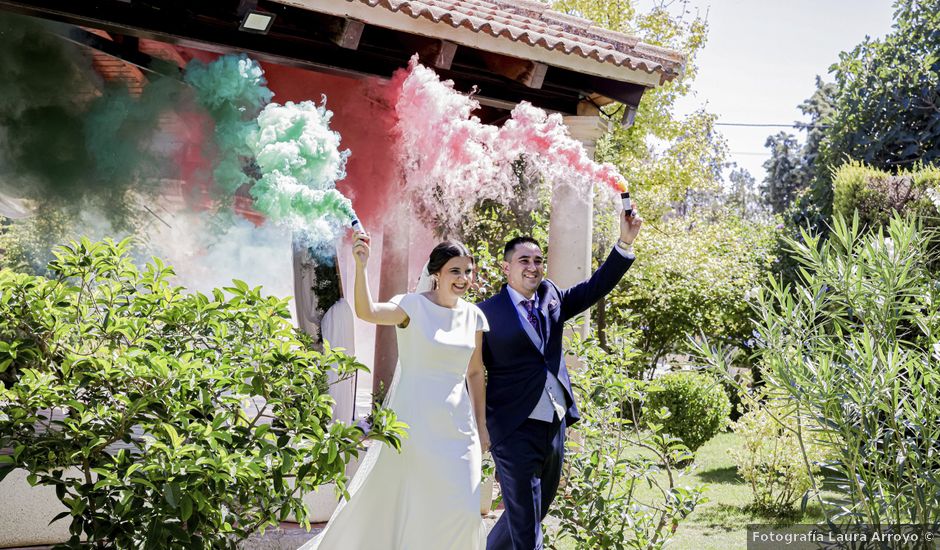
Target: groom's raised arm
(585, 294)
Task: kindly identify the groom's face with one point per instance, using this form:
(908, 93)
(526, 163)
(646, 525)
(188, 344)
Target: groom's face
(525, 268)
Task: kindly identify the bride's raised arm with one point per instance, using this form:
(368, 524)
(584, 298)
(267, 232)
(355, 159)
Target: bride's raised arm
(380, 313)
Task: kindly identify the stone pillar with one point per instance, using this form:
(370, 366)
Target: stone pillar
(393, 279)
(572, 217)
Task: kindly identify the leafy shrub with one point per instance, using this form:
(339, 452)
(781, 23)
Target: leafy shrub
(692, 279)
(771, 459)
(697, 403)
(193, 420)
(735, 392)
(878, 195)
(854, 347)
(621, 484)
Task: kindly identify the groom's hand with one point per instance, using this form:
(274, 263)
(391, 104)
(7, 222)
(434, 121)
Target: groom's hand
(630, 225)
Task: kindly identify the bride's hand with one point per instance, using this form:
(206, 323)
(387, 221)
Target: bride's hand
(484, 439)
(361, 248)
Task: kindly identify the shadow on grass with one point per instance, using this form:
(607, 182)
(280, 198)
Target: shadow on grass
(730, 517)
(728, 474)
(723, 517)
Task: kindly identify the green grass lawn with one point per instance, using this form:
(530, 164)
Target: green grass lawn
(720, 523)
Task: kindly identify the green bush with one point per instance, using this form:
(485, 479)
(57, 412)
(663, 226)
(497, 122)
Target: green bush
(853, 347)
(693, 277)
(192, 420)
(878, 195)
(697, 403)
(771, 459)
(601, 504)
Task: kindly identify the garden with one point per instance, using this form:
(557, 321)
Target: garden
(772, 357)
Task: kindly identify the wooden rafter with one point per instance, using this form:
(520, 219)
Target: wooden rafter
(347, 33)
(530, 74)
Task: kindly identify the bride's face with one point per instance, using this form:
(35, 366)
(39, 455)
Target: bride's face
(456, 276)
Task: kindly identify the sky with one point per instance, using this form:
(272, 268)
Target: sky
(762, 58)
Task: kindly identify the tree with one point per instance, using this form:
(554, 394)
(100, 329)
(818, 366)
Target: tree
(883, 110)
(192, 420)
(786, 172)
(791, 169)
(692, 280)
(887, 104)
(743, 197)
(801, 178)
(818, 107)
(662, 155)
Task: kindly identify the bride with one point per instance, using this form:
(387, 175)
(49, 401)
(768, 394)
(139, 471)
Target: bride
(427, 497)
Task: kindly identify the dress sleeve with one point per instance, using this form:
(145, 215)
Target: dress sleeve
(482, 323)
(404, 301)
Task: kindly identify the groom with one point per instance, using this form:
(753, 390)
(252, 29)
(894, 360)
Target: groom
(529, 401)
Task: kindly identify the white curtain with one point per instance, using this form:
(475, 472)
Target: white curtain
(13, 208)
(337, 329)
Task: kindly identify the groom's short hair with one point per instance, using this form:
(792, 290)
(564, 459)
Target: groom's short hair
(512, 243)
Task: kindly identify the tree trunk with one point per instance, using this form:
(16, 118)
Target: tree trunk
(601, 324)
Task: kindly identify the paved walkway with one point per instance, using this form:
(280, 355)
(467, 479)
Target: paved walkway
(290, 536)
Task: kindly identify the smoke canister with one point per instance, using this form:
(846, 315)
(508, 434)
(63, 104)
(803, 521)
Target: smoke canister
(627, 205)
(357, 226)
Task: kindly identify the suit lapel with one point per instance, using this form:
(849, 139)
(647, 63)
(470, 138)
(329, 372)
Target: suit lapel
(544, 303)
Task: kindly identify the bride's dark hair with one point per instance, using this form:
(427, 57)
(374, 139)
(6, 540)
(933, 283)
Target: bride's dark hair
(443, 252)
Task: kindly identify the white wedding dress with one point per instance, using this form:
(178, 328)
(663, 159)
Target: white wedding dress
(428, 496)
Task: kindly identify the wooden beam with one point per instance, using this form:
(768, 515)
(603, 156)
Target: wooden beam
(347, 33)
(431, 51)
(528, 73)
(443, 57)
(588, 108)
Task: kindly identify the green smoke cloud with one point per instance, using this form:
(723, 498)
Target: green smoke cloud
(300, 160)
(286, 153)
(75, 148)
(233, 90)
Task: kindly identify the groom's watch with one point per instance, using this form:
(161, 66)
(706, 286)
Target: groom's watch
(625, 245)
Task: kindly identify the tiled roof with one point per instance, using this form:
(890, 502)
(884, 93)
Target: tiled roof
(532, 23)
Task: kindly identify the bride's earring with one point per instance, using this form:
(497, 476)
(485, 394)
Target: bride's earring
(434, 282)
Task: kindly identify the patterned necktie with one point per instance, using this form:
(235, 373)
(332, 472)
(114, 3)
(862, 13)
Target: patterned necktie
(529, 306)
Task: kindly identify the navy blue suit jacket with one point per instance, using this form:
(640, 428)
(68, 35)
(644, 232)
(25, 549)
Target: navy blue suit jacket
(516, 369)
